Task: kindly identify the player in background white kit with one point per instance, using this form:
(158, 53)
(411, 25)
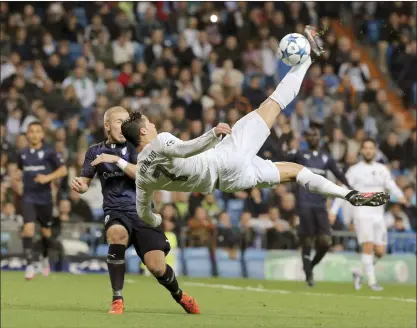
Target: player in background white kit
(205, 164)
(370, 227)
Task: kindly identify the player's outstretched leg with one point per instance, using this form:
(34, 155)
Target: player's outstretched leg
(27, 242)
(316, 184)
(290, 85)
(117, 238)
(155, 262)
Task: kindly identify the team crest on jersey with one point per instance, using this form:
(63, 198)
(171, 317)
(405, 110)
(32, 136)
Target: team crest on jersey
(23, 156)
(41, 154)
(124, 151)
(307, 156)
(324, 158)
(106, 219)
(170, 142)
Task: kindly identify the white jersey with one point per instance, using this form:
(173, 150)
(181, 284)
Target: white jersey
(372, 177)
(168, 163)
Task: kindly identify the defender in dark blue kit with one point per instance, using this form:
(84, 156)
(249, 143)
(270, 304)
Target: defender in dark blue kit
(40, 165)
(114, 162)
(311, 208)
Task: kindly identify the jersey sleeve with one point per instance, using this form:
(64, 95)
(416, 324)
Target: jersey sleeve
(390, 185)
(88, 170)
(174, 147)
(332, 166)
(144, 207)
(55, 159)
(350, 176)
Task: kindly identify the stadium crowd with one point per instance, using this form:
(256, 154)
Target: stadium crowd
(187, 66)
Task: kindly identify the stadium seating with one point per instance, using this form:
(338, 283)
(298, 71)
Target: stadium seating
(227, 267)
(197, 262)
(254, 261)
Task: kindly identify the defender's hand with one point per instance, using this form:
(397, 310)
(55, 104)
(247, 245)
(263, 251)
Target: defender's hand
(42, 179)
(222, 129)
(79, 185)
(332, 218)
(105, 158)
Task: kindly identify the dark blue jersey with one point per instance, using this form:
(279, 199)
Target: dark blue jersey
(319, 162)
(32, 162)
(119, 191)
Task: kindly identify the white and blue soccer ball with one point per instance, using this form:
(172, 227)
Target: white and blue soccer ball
(294, 49)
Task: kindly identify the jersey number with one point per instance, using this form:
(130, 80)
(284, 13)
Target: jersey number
(159, 169)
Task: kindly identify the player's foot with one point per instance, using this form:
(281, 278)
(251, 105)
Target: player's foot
(357, 198)
(309, 277)
(46, 268)
(189, 304)
(30, 272)
(376, 288)
(316, 42)
(117, 307)
(357, 280)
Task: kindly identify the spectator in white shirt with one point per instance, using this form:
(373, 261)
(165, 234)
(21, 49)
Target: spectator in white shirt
(9, 67)
(84, 87)
(358, 72)
(202, 47)
(123, 50)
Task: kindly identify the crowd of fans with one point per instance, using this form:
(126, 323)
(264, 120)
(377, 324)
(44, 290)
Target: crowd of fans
(187, 66)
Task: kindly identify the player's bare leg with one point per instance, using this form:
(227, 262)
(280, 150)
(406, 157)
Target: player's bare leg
(155, 262)
(46, 244)
(117, 238)
(27, 241)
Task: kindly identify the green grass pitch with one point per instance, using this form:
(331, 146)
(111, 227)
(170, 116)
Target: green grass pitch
(71, 301)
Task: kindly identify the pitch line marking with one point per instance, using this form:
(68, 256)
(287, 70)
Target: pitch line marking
(280, 291)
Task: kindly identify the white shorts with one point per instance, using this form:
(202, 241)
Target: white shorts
(371, 229)
(239, 167)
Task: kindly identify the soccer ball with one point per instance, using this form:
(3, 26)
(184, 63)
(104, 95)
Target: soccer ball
(294, 49)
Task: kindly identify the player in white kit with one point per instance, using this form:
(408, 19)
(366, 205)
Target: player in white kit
(370, 227)
(205, 164)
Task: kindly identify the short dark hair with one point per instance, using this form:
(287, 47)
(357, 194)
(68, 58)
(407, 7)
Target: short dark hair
(34, 124)
(368, 140)
(131, 128)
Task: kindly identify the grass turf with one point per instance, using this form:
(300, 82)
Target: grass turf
(65, 300)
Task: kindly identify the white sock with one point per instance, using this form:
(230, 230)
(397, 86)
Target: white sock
(368, 268)
(290, 85)
(317, 184)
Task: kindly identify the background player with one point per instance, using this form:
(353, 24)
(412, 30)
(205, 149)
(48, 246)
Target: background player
(40, 165)
(311, 208)
(369, 223)
(167, 163)
(112, 161)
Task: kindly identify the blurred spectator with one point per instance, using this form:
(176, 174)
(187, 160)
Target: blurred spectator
(123, 50)
(392, 148)
(279, 234)
(338, 120)
(364, 121)
(210, 205)
(319, 105)
(396, 213)
(254, 204)
(201, 229)
(358, 72)
(226, 237)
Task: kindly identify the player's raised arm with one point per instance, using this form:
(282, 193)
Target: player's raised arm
(144, 207)
(174, 147)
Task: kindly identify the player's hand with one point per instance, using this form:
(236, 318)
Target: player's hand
(42, 179)
(105, 158)
(332, 218)
(222, 129)
(79, 185)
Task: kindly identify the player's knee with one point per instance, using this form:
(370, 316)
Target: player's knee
(28, 230)
(324, 241)
(117, 234)
(46, 232)
(379, 252)
(306, 241)
(288, 171)
(155, 262)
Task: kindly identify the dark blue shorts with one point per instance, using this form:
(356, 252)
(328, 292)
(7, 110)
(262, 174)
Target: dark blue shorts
(314, 221)
(41, 213)
(142, 236)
